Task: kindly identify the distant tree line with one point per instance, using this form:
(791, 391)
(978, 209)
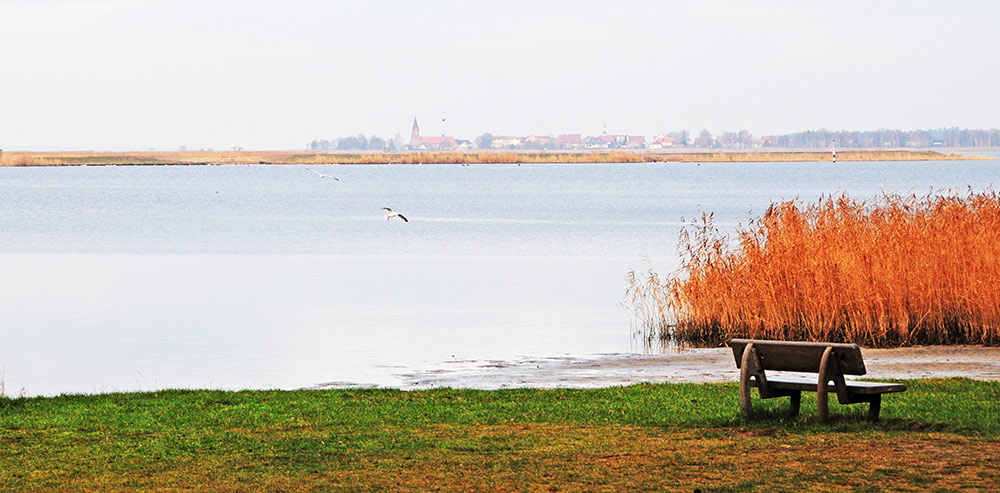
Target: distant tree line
(811, 139)
(358, 143)
(852, 139)
(944, 137)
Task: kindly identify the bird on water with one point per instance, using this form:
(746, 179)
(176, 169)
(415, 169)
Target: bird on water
(389, 214)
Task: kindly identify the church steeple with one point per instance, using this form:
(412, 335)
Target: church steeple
(415, 135)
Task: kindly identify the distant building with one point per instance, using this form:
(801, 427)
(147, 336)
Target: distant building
(569, 141)
(418, 143)
(415, 135)
(599, 142)
(704, 140)
(438, 143)
(606, 141)
(662, 141)
(635, 142)
(505, 142)
(538, 142)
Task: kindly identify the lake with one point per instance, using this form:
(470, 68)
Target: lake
(150, 277)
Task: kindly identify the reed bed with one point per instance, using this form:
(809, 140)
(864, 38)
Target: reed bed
(813, 156)
(284, 157)
(893, 271)
(18, 159)
(445, 157)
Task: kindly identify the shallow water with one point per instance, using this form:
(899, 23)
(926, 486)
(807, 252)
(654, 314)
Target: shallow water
(139, 278)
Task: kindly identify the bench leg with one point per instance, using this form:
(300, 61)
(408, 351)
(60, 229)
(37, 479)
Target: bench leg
(796, 402)
(745, 407)
(874, 408)
(745, 375)
(822, 403)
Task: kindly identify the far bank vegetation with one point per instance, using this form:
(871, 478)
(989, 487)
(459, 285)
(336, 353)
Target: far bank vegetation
(448, 157)
(894, 271)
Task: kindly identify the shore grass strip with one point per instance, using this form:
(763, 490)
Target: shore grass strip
(942, 434)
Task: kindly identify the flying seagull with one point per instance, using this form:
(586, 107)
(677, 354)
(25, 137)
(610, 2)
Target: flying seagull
(323, 175)
(389, 215)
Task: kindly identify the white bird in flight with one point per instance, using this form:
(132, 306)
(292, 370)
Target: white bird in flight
(323, 175)
(389, 215)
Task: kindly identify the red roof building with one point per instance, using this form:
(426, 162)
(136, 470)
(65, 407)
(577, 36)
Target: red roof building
(569, 140)
(442, 142)
(635, 142)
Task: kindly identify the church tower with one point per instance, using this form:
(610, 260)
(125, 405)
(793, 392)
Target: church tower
(415, 135)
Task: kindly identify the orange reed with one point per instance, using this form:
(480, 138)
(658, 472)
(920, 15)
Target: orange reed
(895, 271)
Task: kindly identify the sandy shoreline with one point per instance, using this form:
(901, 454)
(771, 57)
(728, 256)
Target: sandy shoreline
(685, 365)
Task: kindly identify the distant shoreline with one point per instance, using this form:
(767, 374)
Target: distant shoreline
(91, 158)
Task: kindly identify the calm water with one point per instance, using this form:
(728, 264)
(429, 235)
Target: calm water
(140, 278)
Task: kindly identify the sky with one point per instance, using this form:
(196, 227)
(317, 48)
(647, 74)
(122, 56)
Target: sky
(161, 74)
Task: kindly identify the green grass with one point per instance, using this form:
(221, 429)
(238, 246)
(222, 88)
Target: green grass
(938, 434)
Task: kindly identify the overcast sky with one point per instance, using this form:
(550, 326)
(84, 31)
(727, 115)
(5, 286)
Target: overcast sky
(139, 74)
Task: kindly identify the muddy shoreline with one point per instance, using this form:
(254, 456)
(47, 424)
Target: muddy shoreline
(683, 365)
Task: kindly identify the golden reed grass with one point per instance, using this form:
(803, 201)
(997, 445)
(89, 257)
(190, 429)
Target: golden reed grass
(18, 159)
(893, 272)
(284, 157)
(444, 157)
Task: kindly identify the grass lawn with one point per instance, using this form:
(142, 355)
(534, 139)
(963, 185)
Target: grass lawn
(940, 434)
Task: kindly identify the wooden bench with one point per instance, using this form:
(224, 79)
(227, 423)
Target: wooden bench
(830, 361)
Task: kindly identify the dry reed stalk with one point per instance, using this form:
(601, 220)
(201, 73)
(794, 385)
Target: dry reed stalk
(898, 271)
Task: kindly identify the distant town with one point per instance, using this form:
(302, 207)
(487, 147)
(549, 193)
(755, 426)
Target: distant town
(813, 139)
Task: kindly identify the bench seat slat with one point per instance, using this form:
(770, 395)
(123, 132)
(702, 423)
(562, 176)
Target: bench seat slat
(853, 386)
(800, 356)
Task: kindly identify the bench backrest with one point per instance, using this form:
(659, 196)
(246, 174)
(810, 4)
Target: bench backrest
(800, 356)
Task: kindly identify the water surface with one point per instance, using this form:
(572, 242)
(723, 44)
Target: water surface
(139, 278)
